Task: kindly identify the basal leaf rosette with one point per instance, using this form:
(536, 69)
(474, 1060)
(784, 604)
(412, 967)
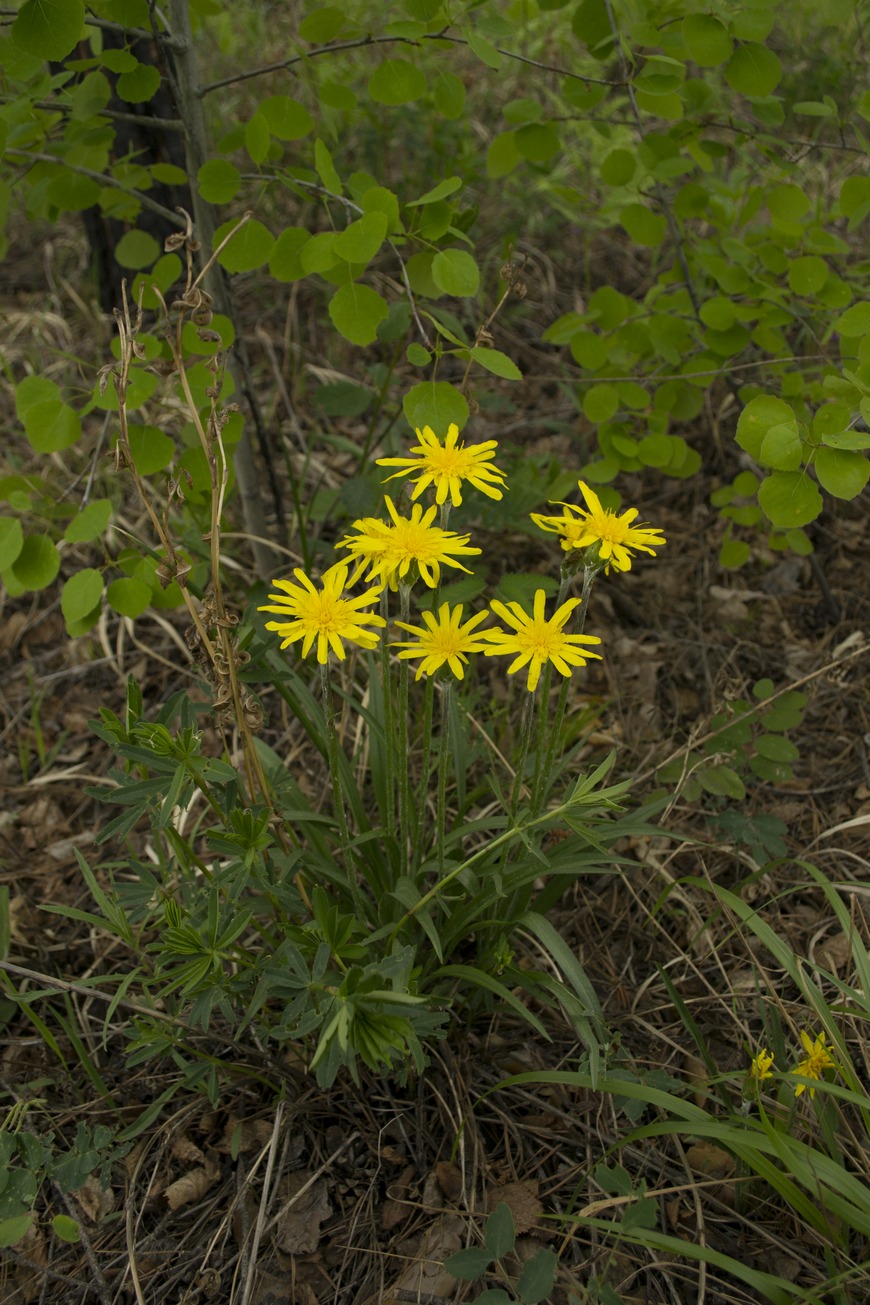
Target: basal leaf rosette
(610, 538)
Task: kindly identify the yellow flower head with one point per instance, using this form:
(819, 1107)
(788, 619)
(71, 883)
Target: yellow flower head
(323, 614)
(447, 465)
(814, 1063)
(760, 1069)
(535, 641)
(387, 552)
(614, 535)
(445, 640)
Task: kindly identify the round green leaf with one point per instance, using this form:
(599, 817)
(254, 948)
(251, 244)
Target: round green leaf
(600, 403)
(163, 274)
(137, 249)
(854, 321)
(90, 523)
(776, 748)
(449, 95)
(14, 1230)
(66, 1228)
(396, 81)
(33, 390)
(138, 85)
(723, 781)
(356, 311)
(455, 272)
(51, 425)
(788, 202)
(502, 156)
(11, 541)
(538, 142)
(249, 248)
(417, 355)
(287, 118)
(643, 226)
(257, 137)
(419, 269)
(618, 167)
(218, 181)
(437, 404)
(317, 254)
(733, 554)
(81, 594)
(781, 447)
(707, 41)
(361, 240)
(322, 25)
(756, 420)
(753, 70)
(841, 472)
(38, 562)
(807, 275)
(48, 28)
(128, 597)
(284, 262)
(789, 499)
(152, 449)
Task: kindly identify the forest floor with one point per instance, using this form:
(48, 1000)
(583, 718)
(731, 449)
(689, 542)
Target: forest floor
(370, 1189)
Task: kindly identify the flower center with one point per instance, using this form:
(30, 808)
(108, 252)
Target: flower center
(608, 526)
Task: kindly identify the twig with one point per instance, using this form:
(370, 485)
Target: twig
(105, 179)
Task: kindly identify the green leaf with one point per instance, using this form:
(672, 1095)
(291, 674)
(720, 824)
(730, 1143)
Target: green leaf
(257, 137)
(756, 420)
(378, 199)
(497, 362)
(218, 181)
(81, 594)
(51, 425)
(137, 249)
(781, 447)
(645, 227)
(317, 254)
(66, 1228)
(776, 748)
(322, 25)
(841, 472)
(284, 261)
(151, 448)
(437, 404)
(807, 275)
(138, 85)
(14, 1230)
(539, 1273)
(456, 273)
(249, 248)
(356, 311)
(444, 188)
(538, 142)
(788, 203)
(723, 781)
(707, 41)
(485, 51)
(11, 541)
(734, 553)
(854, 321)
(128, 596)
(753, 70)
(326, 169)
(361, 240)
(618, 167)
(48, 28)
(90, 523)
(449, 95)
(38, 562)
(502, 156)
(417, 355)
(789, 499)
(600, 402)
(468, 1264)
(396, 82)
(33, 390)
(342, 399)
(500, 1235)
(287, 118)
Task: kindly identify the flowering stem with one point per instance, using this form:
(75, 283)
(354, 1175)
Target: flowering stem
(338, 796)
(389, 725)
(443, 759)
(541, 775)
(405, 800)
(525, 739)
(428, 701)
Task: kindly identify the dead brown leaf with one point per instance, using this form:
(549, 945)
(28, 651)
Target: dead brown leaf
(396, 1208)
(192, 1186)
(187, 1151)
(449, 1179)
(426, 1276)
(304, 1210)
(521, 1199)
(94, 1201)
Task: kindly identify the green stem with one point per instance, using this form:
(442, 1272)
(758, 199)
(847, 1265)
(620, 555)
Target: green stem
(578, 623)
(428, 702)
(404, 763)
(443, 760)
(389, 720)
(525, 740)
(338, 796)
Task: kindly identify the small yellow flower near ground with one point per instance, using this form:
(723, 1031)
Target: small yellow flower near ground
(615, 535)
(536, 641)
(814, 1063)
(760, 1069)
(445, 640)
(387, 552)
(447, 465)
(324, 615)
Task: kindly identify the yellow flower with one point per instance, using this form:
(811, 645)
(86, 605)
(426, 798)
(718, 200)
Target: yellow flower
(387, 552)
(760, 1069)
(814, 1063)
(324, 614)
(443, 640)
(536, 641)
(447, 465)
(615, 536)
